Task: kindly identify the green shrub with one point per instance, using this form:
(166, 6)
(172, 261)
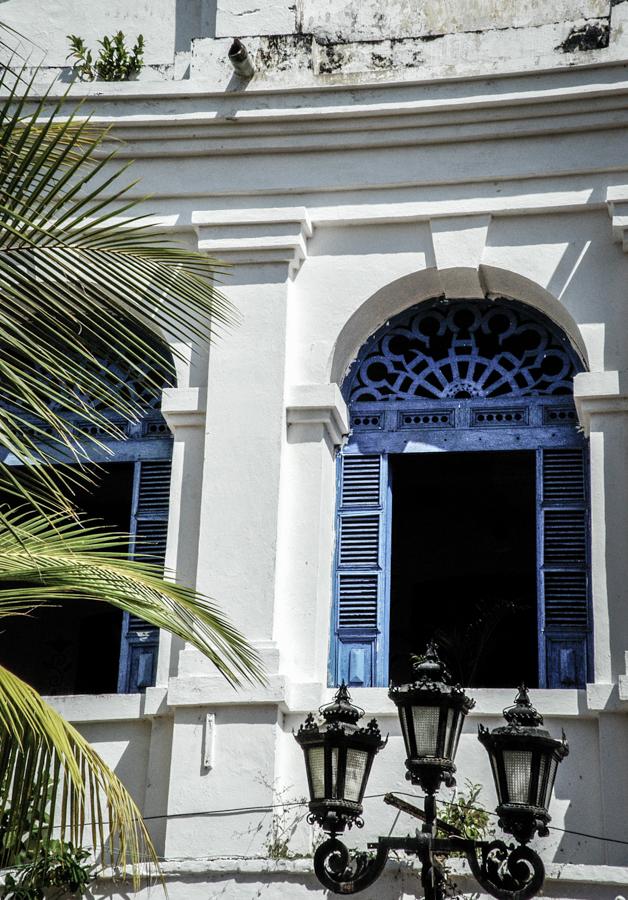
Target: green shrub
(467, 813)
(60, 865)
(115, 62)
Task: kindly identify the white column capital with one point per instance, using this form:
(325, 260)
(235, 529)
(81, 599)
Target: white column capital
(617, 204)
(184, 407)
(600, 393)
(255, 236)
(318, 405)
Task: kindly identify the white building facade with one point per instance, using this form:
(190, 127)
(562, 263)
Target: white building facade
(382, 162)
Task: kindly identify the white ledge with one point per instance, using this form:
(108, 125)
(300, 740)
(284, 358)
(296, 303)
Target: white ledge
(212, 690)
(318, 406)
(299, 698)
(565, 873)
(79, 708)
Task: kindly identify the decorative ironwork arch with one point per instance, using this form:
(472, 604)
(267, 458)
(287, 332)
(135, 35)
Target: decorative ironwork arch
(462, 349)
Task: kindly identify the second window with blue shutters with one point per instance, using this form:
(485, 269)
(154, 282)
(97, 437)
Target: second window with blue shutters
(463, 509)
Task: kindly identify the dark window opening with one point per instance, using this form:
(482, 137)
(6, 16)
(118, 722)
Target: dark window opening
(463, 565)
(74, 647)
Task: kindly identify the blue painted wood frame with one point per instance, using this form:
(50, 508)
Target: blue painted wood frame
(139, 641)
(405, 399)
(362, 579)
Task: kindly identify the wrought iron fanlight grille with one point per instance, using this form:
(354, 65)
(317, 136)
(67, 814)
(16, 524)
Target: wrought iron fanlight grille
(464, 349)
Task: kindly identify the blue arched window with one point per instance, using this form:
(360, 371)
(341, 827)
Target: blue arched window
(463, 501)
(90, 647)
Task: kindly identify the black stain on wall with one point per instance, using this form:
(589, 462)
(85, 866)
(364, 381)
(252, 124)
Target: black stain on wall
(592, 36)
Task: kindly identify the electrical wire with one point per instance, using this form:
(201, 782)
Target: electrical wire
(208, 813)
(594, 837)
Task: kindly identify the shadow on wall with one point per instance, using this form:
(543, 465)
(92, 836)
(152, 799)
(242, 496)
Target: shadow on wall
(193, 19)
(584, 271)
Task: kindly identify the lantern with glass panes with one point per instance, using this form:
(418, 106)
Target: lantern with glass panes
(338, 758)
(339, 755)
(524, 759)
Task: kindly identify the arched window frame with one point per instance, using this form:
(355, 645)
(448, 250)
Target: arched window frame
(414, 405)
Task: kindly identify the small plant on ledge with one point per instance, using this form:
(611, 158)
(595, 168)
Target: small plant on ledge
(115, 62)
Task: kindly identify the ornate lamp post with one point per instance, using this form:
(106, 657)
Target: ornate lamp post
(524, 759)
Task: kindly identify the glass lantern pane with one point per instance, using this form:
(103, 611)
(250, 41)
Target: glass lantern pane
(458, 731)
(518, 766)
(449, 749)
(496, 779)
(334, 773)
(543, 763)
(548, 784)
(316, 763)
(403, 717)
(425, 720)
(354, 776)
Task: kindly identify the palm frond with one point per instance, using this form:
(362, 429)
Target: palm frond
(55, 785)
(44, 561)
(79, 270)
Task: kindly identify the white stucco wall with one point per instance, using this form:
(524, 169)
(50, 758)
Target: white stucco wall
(492, 163)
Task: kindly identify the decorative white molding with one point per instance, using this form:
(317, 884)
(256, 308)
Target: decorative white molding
(319, 405)
(254, 236)
(617, 203)
(600, 393)
(184, 407)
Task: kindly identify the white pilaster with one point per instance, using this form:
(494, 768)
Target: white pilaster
(602, 403)
(317, 421)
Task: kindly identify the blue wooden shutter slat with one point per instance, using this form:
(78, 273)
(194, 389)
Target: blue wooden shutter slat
(149, 529)
(563, 522)
(360, 622)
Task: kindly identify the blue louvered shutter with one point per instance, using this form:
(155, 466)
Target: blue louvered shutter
(149, 528)
(360, 628)
(563, 547)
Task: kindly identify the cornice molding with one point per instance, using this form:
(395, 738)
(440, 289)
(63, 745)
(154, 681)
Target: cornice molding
(324, 128)
(194, 121)
(320, 406)
(255, 236)
(600, 393)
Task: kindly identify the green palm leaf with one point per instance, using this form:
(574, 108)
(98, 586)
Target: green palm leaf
(79, 272)
(44, 560)
(75, 277)
(46, 765)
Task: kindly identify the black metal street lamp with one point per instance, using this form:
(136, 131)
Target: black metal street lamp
(338, 758)
(524, 759)
(431, 712)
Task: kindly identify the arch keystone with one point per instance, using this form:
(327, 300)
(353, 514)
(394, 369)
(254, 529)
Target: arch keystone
(459, 243)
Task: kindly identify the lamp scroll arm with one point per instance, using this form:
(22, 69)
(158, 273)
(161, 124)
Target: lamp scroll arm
(505, 871)
(342, 873)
